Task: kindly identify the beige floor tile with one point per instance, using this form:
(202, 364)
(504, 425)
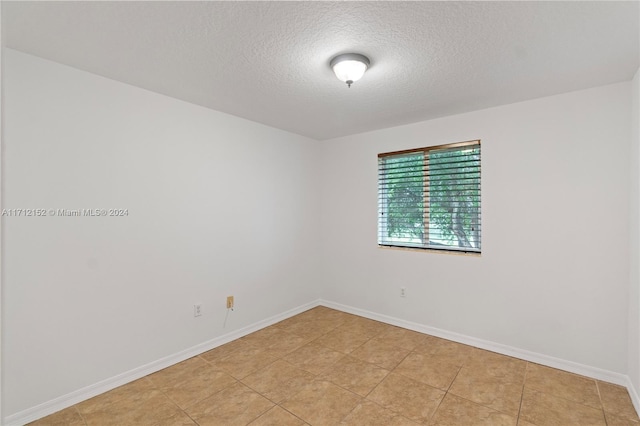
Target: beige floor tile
(342, 339)
(309, 328)
(329, 326)
(367, 327)
(265, 337)
(235, 405)
(457, 353)
(277, 341)
(500, 393)
(180, 419)
(434, 370)
(169, 376)
(614, 420)
(67, 417)
(355, 375)
(548, 410)
(148, 409)
(496, 364)
(196, 385)
(562, 384)
(368, 413)
(522, 422)
(616, 400)
(322, 403)
(277, 417)
(243, 362)
(381, 352)
(285, 323)
(403, 338)
(278, 381)
(323, 313)
(329, 322)
(313, 358)
(285, 344)
(222, 351)
(132, 393)
(454, 411)
(407, 397)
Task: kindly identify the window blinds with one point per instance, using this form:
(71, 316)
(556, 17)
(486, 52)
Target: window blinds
(430, 197)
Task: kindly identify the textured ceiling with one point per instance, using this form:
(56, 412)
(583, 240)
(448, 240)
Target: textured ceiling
(269, 61)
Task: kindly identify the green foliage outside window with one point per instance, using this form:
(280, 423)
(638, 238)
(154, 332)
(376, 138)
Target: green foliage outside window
(434, 206)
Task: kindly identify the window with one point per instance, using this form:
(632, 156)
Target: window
(429, 198)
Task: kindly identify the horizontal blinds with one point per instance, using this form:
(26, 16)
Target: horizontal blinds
(430, 197)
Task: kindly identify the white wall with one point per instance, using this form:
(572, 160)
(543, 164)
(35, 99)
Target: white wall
(554, 271)
(217, 205)
(634, 234)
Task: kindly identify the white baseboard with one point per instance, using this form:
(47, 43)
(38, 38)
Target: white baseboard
(22, 417)
(633, 393)
(561, 364)
(83, 394)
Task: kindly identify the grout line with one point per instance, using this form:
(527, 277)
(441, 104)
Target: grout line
(80, 414)
(354, 407)
(474, 402)
(293, 414)
(604, 414)
(401, 361)
(599, 394)
(481, 405)
(438, 407)
(446, 392)
(454, 378)
(526, 372)
(192, 419)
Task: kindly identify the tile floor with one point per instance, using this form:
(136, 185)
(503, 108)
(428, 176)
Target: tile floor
(325, 367)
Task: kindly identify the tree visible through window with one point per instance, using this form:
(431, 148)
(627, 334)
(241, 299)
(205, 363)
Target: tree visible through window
(430, 197)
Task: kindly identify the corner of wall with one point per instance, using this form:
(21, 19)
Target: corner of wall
(633, 363)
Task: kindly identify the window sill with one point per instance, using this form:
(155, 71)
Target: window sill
(428, 250)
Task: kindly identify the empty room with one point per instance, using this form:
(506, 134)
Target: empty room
(320, 213)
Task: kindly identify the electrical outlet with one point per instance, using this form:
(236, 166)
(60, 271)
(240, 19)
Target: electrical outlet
(403, 292)
(197, 310)
(229, 302)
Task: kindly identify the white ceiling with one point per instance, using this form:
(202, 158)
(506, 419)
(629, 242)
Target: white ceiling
(269, 61)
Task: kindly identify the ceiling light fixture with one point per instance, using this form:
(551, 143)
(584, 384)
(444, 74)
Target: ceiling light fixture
(350, 67)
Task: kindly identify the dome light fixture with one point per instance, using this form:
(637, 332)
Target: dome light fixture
(350, 67)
